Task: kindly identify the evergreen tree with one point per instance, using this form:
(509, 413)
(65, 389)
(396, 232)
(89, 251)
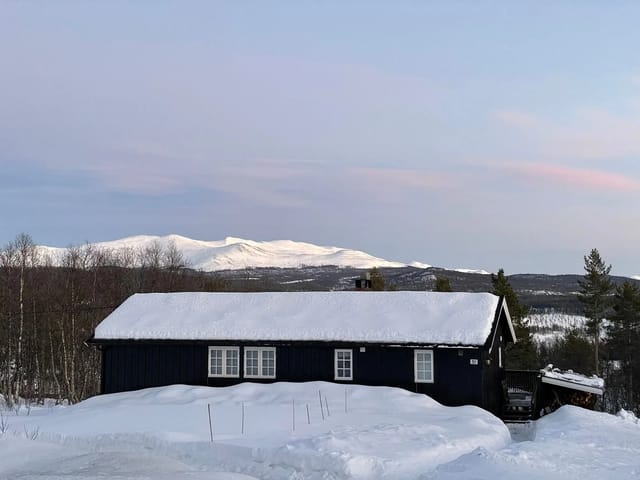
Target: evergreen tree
(623, 341)
(522, 354)
(595, 291)
(501, 286)
(377, 279)
(442, 285)
(574, 352)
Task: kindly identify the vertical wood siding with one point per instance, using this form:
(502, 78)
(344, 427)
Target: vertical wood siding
(456, 382)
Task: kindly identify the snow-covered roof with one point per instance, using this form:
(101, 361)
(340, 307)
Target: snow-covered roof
(569, 379)
(385, 317)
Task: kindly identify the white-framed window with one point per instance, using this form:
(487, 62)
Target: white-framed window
(259, 362)
(423, 366)
(224, 361)
(343, 361)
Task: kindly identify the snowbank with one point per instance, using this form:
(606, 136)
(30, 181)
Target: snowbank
(163, 433)
(383, 432)
(571, 443)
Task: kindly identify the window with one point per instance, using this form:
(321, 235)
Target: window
(224, 361)
(259, 362)
(423, 366)
(343, 365)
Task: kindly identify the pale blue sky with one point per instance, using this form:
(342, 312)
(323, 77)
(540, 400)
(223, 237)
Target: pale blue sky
(462, 134)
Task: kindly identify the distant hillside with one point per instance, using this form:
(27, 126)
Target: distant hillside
(541, 292)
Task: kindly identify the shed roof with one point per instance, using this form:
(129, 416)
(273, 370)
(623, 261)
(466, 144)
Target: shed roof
(377, 317)
(574, 381)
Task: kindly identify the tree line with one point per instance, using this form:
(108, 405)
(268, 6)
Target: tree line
(607, 344)
(50, 305)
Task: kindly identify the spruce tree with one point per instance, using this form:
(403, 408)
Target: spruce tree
(574, 352)
(377, 279)
(595, 292)
(523, 354)
(623, 341)
(443, 284)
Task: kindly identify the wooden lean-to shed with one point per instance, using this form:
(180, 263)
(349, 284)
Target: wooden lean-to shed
(559, 388)
(447, 345)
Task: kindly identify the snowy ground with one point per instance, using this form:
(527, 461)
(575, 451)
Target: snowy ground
(163, 433)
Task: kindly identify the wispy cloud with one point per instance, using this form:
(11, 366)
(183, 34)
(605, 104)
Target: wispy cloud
(588, 179)
(404, 178)
(586, 133)
(150, 169)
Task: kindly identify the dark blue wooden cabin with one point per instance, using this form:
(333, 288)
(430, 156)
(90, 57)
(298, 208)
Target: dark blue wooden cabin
(446, 345)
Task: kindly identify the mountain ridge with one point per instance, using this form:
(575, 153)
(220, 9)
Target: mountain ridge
(234, 253)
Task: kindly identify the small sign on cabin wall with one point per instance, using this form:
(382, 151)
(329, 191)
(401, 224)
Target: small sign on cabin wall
(473, 361)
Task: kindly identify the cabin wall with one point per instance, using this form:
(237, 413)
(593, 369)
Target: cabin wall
(132, 367)
(456, 382)
(493, 369)
(492, 376)
(458, 373)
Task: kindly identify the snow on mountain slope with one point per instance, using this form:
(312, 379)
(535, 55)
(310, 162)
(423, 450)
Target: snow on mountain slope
(555, 321)
(237, 253)
(550, 326)
(468, 270)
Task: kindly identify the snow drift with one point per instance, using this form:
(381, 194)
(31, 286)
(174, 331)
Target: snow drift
(359, 432)
(163, 433)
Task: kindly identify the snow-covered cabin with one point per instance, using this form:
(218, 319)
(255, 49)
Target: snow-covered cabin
(447, 345)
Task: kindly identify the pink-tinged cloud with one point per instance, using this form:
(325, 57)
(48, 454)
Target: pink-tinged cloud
(583, 178)
(416, 179)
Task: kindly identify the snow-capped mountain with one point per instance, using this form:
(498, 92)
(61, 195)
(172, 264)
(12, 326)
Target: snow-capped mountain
(237, 253)
(468, 270)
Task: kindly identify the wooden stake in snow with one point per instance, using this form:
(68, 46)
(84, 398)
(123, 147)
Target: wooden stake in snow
(321, 410)
(308, 417)
(242, 421)
(326, 404)
(293, 413)
(210, 424)
(345, 400)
